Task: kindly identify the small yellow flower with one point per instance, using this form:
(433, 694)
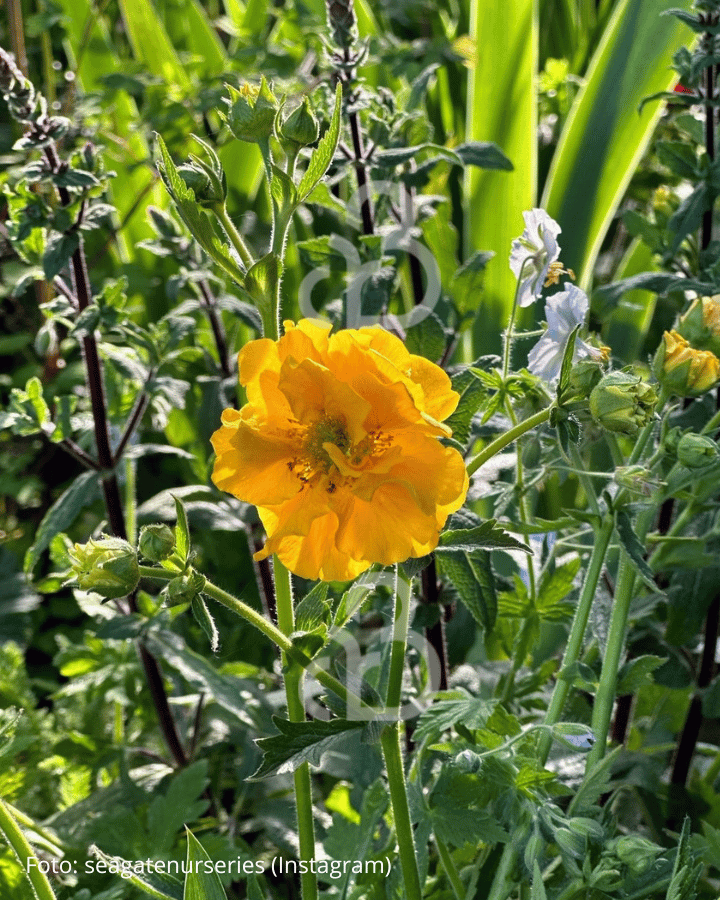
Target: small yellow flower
(683, 370)
(338, 448)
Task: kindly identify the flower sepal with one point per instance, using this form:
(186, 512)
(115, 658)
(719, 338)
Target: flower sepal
(108, 566)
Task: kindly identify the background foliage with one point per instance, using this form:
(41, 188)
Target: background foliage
(131, 727)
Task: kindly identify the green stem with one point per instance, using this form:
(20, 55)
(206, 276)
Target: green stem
(268, 629)
(511, 324)
(501, 442)
(401, 623)
(605, 696)
(577, 631)
(130, 500)
(24, 852)
(451, 871)
(500, 889)
(584, 479)
(293, 676)
(236, 238)
(390, 742)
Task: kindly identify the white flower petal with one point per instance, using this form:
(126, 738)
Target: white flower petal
(532, 253)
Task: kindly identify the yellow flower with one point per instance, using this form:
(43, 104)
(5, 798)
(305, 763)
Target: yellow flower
(338, 448)
(683, 370)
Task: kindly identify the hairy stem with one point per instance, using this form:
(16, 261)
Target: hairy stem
(507, 438)
(25, 854)
(293, 675)
(577, 631)
(390, 742)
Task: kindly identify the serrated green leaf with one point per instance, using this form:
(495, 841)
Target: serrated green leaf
(156, 884)
(634, 674)
(202, 882)
(181, 803)
(554, 587)
(81, 493)
(537, 891)
(488, 536)
(323, 155)
(473, 712)
(195, 217)
(313, 609)
(182, 530)
(206, 622)
(58, 250)
(472, 577)
(633, 547)
(427, 338)
(298, 743)
(567, 361)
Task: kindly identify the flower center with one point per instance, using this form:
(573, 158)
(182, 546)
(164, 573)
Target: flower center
(329, 430)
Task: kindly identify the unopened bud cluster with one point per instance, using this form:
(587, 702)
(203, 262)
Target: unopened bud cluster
(622, 402)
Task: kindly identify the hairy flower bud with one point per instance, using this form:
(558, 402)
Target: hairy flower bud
(681, 369)
(695, 451)
(184, 588)
(635, 479)
(208, 191)
(251, 116)
(700, 325)
(301, 127)
(637, 853)
(584, 376)
(622, 402)
(157, 542)
(108, 566)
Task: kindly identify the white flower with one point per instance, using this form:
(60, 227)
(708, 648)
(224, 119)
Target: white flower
(563, 312)
(533, 252)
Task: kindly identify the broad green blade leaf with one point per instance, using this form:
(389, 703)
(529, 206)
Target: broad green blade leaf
(502, 107)
(633, 547)
(472, 577)
(604, 136)
(627, 326)
(201, 39)
(323, 155)
(202, 882)
(156, 884)
(81, 493)
(150, 42)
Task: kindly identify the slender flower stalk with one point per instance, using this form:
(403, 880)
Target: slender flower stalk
(577, 631)
(507, 438)
(390, 743)
(293, 677)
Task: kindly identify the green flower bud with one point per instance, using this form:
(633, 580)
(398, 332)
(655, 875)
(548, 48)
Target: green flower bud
(700, 325)
(184, 588)
(108, 566)
(681, 369)
(635, 479)
(251, 116)
(301, 127)
(208, 190)
(637, 853)
(695, 451)
(622, 402)
(584, 376)
(157, 542)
